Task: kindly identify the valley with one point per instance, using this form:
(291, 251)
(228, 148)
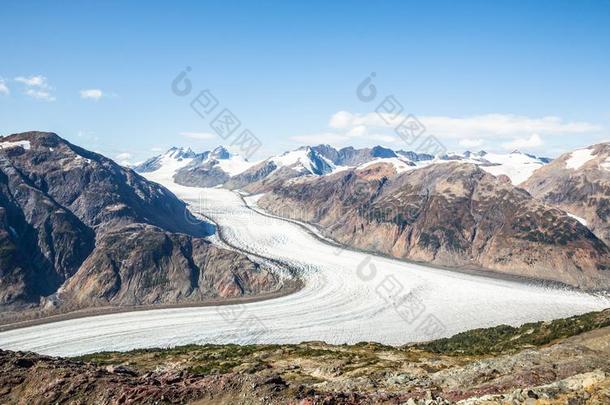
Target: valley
(347, 296)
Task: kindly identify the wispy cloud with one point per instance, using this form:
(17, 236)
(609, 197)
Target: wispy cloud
(342, 138)
(36, 87)
(480, 126)
(40, 94)
(198, 135)
(124, 158)
(3, 88)
(92, 94)
(471, 143)
(534, 141)
(33, 81)
(323, 137)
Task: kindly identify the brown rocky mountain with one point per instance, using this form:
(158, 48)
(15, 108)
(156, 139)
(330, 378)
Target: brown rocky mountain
(579, 183)
(78, 230)
(452, 214)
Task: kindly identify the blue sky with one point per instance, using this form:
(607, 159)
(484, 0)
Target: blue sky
(478, 74)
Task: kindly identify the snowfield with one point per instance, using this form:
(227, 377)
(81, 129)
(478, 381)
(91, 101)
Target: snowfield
(517, 166)
(579, 157)
(347, 296)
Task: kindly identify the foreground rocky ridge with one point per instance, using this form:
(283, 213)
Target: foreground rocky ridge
(558, 362)
(77, 230)
(451, 214)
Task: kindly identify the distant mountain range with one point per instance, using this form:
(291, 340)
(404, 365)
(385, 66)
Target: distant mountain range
(220, 167)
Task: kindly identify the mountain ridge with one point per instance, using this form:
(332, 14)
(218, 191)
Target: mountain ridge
(321, 160)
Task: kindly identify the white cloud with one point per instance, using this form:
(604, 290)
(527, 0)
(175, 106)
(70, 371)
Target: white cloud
(33, 81)
(198, 135)
(533, 141)
(471, 143)
(342, 119)
(36, 87)
(338, 139)
(93, 94)
(384, 138)
(3, 89)
(40, 94)
(124, 158)
(358, 130)
(345, 120)
(506, 125)
(321, 138)
(480, 126)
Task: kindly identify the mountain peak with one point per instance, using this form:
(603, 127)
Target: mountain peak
(221, 153)
(180, 153)
(381, 152)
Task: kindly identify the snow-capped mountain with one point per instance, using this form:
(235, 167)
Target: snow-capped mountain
(304, 160)
(221, 167)
(173, 156)
(516, 165)
(205, 169)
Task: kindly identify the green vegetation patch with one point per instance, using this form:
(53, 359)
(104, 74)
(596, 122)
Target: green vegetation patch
(506, 339)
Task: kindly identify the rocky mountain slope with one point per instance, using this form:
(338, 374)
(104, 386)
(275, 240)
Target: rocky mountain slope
(579, 183)
(452, 214)
(78, 230)
(565, 361)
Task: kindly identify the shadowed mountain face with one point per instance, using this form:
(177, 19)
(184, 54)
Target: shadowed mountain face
(77, 230)
(579, 183)
(452, 214)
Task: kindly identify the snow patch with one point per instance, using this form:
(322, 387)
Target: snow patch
(169, 164)
(7, 145)
(578, 158)
(579, 219)
(517, 166)
(234, 165)
(399, 164)
(299, 159)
